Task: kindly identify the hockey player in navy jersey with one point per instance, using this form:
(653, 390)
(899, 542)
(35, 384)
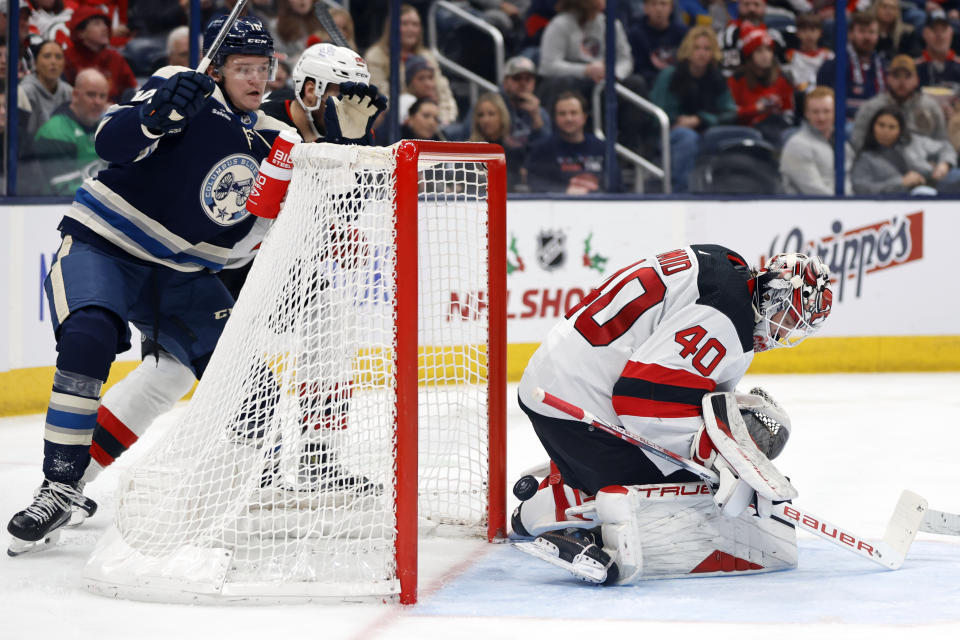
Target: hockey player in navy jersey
(643, 350)
(132, 405)
(142, 242)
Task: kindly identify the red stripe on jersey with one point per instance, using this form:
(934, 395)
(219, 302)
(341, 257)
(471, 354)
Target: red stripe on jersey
(114, 427)
(102, 457)
(627, 406)
(665, 375)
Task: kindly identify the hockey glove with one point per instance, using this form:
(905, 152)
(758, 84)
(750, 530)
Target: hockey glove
(175, 102)
(349, 118)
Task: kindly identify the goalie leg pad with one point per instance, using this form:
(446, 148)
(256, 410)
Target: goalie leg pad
(676, 531)
(547, 509)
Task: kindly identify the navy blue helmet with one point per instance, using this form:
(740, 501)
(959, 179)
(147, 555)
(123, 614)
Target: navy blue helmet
(248, 36)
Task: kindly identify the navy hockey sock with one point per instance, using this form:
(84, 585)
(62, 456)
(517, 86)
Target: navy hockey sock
(71, 420)
(87, 345)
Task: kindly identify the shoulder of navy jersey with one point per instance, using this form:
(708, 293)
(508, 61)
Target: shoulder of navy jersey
(722, 283)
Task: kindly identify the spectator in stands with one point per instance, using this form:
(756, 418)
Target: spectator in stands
(45, 90)
(654, 39)
(806, 162)
(571, 160)
(750, 14)
(49, 19)
(572, 48)
(922, 113)
(895, 161)
(411, 43)
(421, 82)
(422, 121)
(64, 144)
(864, 65)
(695, 96)
(90, 38)
(572, 58)
(491, 123)
(529, 121)
(894, 35)
(295, 22)
(763, 95)
(938, 63)
(805, 61)
(178, 46)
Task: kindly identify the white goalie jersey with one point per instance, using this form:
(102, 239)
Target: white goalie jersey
(644, 347)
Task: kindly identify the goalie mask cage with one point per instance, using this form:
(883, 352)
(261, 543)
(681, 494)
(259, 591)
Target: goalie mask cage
(359, 380)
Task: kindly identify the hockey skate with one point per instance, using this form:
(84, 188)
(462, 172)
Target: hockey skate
(321, 472)
(38, 526)
(579, 551)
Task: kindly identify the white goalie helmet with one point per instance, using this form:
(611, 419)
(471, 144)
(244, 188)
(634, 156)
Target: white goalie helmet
(324, 64)
(791, 300)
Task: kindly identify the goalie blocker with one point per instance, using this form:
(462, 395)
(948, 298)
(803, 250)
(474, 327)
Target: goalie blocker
(676, 529)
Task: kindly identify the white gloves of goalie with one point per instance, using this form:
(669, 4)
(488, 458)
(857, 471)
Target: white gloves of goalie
(348, 119)
(741, 433)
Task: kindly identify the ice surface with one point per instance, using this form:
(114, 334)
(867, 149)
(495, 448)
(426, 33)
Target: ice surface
(858, 440)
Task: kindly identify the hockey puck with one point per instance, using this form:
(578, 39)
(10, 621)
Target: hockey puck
(525, 487)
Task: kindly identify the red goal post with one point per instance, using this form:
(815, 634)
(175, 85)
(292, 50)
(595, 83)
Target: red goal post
(410, 154)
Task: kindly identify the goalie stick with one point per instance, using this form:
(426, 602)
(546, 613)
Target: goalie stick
(327, 22)
(890, 552)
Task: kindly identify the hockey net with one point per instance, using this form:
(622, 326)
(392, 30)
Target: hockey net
(355, 396)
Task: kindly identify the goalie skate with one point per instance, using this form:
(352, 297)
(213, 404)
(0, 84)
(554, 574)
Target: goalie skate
(575, 550)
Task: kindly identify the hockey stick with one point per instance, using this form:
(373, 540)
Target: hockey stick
(328, 23)
(946, 524)
(889, 552)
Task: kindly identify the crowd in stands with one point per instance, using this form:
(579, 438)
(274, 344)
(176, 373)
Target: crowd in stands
(747, 86)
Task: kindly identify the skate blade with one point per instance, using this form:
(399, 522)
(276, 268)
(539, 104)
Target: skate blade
(20, 547)
(582, 567)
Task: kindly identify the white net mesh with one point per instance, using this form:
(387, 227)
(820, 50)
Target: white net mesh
(279, 479)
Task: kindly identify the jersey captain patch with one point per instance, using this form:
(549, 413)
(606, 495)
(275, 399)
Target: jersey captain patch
(224, 191)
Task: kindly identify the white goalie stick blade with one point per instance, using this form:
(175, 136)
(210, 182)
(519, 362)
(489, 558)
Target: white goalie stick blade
(729, 434)
(941, 522)
(582, 567)
(890, 552)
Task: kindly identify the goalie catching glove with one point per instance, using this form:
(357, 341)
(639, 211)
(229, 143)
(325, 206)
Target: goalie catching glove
(175, 102)
(741, 434)
(349, 118)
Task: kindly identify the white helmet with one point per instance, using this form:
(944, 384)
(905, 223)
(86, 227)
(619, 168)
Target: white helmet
(791, 300)
(325, 63)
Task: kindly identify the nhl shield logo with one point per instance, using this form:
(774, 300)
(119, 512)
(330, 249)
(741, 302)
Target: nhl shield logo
(225, 189)
(551, 249)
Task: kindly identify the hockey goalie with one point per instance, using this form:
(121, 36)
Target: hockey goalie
(659, 348)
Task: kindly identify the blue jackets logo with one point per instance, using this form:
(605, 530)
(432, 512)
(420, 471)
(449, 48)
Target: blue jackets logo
(225, 189)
